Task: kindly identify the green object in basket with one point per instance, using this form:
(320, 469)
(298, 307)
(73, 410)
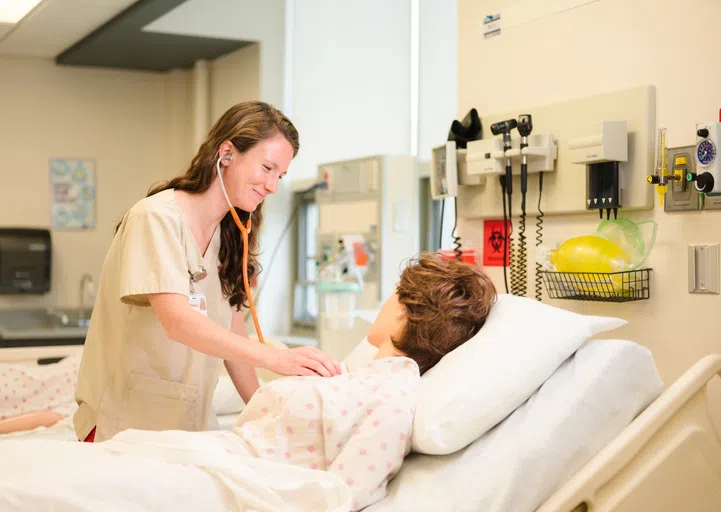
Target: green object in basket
(628, 236)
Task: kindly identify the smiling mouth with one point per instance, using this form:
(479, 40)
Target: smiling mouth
(261, 196)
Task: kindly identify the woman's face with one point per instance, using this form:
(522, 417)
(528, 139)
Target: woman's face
(250, 176)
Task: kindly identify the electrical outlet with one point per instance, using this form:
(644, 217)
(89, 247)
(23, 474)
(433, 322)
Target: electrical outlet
(703, 269)
(682, 195)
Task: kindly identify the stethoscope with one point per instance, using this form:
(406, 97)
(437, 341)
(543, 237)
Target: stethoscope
(244, 231)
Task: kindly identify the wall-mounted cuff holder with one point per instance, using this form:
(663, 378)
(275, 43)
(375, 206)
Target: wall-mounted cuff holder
(486, 156)
(602, 153)
(444, 171)
(463, 177)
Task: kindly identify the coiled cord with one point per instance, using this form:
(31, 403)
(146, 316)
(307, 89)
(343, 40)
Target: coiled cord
(518, 281)
(539, 238)
(456, 239)
(520, 286)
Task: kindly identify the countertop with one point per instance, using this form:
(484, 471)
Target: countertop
(35, 324)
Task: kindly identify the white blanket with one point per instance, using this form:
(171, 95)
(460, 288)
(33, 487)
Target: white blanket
(127, 476)
(355, 426)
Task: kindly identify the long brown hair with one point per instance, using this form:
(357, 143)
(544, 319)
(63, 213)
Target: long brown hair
(244, 125)
(446, 303)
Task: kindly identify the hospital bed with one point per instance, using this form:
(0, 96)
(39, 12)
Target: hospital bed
(612, 444)
(668, 459)
(560, 452)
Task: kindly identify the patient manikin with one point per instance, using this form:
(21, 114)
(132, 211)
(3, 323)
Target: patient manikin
(356, 427)
(37, 396)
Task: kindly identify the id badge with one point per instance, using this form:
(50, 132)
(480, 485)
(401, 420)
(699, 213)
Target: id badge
(198, 303)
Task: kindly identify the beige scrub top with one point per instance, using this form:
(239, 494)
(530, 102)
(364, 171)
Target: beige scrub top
(131, 374)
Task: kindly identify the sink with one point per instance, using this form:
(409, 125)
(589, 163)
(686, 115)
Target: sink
(69, 317)
(19, 320)
(42, 324)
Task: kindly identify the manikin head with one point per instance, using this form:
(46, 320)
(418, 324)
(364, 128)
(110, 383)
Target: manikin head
(438, 305)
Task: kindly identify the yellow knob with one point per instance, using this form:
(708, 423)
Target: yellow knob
(661, 189)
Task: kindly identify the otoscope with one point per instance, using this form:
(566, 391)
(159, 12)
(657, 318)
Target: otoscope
(505, 127)
(525, 126)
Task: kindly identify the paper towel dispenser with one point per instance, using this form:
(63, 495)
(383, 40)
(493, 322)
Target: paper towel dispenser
(25, 260)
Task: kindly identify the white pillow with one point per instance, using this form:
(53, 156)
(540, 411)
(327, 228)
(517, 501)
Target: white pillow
(481, 382)
(226, 399)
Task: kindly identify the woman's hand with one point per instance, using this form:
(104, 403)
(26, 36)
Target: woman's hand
(187, 326)
(303, 361)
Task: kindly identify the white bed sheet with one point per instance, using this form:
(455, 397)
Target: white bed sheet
(516, 466)
(63, 430)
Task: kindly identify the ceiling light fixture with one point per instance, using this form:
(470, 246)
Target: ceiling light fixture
(12, 11)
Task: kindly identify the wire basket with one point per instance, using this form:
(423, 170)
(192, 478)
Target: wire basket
(625, 286)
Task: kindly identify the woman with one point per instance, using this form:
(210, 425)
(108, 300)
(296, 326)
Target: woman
(171, 289)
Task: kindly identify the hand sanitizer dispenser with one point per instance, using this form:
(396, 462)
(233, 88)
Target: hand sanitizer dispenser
(603, 154)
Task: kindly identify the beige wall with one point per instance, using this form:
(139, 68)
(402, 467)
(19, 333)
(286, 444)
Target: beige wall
(120, 119)
(234, 78)
(601, 47)
(135, 125)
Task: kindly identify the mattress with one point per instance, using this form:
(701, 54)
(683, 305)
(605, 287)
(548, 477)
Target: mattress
(519, 463)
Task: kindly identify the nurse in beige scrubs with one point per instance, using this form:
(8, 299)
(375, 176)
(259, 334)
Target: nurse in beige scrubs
(171, 300)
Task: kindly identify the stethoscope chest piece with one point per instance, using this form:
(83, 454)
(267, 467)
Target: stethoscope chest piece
(199, 274)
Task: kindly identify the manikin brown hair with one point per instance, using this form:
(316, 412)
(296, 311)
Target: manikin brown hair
(244, 125)
(446, 303)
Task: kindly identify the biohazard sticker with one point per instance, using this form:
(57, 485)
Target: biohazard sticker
(494, 242)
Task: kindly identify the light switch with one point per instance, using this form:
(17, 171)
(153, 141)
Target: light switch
(400, 216)
(703, 269)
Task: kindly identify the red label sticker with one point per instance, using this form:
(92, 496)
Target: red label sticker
(493, 243)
